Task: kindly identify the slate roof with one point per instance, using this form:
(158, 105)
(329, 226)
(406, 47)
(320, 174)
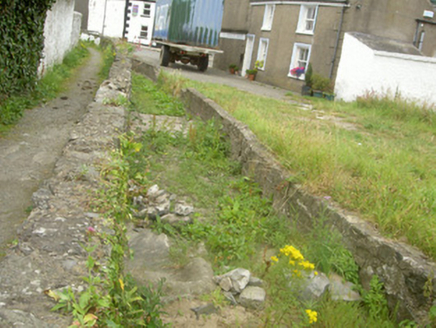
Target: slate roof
(385, 44)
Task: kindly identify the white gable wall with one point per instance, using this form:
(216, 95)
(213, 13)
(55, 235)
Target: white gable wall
(362, 69)
(137, 20)
(113, 24)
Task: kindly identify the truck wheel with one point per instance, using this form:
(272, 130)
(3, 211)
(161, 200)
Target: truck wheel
(164, 56)
(203, 62)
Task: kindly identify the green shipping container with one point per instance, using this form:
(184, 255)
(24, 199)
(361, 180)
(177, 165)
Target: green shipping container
(190, 22)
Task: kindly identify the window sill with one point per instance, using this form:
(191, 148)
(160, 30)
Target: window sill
(301, 78)
(145, 16)
(304, 32)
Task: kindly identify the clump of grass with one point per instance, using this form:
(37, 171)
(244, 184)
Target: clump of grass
(147, 98)
(109, 54)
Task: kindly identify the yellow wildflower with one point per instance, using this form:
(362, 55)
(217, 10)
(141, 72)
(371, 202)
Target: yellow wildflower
(313, 316)
(292, 252)
(307, 265)
(274, 258)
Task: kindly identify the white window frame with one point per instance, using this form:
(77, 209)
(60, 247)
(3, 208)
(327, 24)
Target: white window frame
(146, 31)
(303, 19)
(268, 17)
(262, 52)
(295, 58)
(147, 7)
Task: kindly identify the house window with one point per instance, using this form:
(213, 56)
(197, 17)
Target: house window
(300, 58)
(144, 32)
(262, 52)
(268, 17)
(306, 22)
(147, 10)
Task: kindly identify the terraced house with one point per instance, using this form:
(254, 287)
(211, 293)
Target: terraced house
(289, 34)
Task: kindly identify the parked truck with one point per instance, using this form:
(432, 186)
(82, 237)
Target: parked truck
(188, 30)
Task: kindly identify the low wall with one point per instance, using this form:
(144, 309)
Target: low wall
(61, 33)
(403, 269)
(362, 69)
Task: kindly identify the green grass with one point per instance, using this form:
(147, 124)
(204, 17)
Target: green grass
(239, 228)
(384, 168)
(147, 98)
(47, 88)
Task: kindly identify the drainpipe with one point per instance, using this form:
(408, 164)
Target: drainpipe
(415, 38)
(104, 18)
(337, 43)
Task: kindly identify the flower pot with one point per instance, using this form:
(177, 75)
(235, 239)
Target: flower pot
(317, 94)
(251, 77)
(329, 96)
(306, 90)
(232, 70)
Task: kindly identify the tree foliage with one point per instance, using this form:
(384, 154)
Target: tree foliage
(21, 44)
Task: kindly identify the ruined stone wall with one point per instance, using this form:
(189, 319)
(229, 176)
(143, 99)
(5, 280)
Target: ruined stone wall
(403, 269)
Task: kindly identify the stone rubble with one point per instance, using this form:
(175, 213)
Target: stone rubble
(240, 287)
(158, 202)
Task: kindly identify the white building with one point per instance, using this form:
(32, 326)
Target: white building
(133, 20)
(140, 22)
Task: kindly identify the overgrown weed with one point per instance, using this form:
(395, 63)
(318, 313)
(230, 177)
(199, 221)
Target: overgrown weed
(112, 298)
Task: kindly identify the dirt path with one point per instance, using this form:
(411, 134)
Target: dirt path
(29, 151)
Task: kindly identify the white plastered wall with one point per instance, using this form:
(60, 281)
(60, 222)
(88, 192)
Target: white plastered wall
(136, 22)
(59, 33)
(113, 24)
(362, 69)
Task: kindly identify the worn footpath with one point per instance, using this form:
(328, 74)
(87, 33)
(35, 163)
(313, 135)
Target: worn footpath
(30, 150)
(48, 254)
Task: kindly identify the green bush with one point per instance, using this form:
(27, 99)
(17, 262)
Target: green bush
(321, 83)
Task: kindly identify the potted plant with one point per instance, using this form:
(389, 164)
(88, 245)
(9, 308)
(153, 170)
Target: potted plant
(236, 70)
(251, 73)
(232, 68)
(320, 85)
